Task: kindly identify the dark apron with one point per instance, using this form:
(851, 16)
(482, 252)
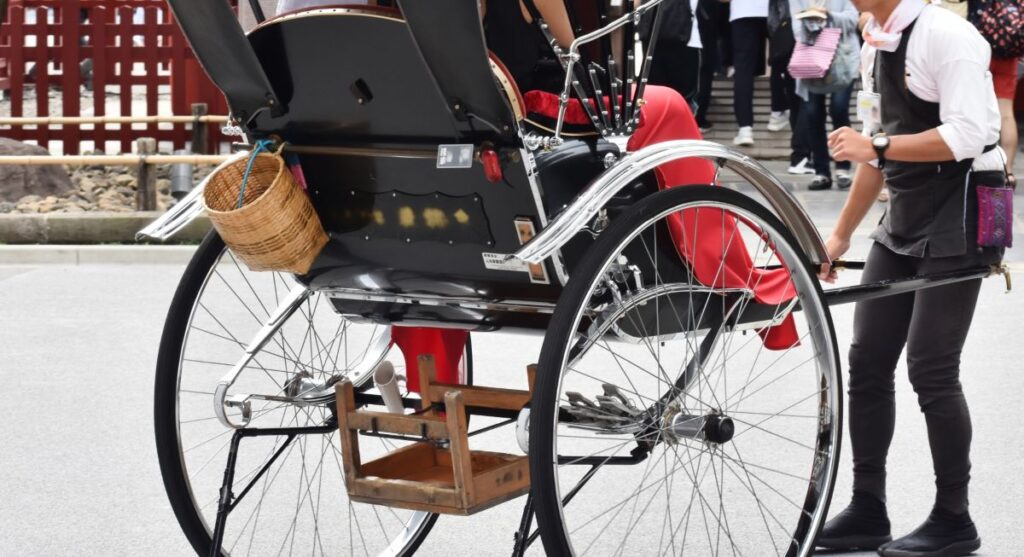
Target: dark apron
(933, 206)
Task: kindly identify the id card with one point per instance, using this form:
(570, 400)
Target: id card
(869, 111)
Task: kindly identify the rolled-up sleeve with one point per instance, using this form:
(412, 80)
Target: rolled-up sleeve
(964, 89)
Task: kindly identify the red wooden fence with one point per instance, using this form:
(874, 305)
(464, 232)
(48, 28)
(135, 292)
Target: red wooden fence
(126, 56)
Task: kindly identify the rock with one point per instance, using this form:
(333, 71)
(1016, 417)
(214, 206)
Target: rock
(17, 181)
(163, 185)
(87, 184)
(30, 199)
(127, 192)
(7, 207)
(73, 209)
(124, 180)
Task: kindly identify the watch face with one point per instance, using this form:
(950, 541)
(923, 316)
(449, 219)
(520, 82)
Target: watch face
(880, 142)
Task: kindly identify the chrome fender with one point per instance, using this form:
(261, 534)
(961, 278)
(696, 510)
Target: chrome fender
(186, 210)
(587, 204)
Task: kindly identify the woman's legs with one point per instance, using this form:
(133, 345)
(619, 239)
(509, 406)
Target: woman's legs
(814, 108)
(748, 38)
(839, 111)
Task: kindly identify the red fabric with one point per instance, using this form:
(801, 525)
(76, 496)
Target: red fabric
(700, 236)
(446, 345)
(1004, 76)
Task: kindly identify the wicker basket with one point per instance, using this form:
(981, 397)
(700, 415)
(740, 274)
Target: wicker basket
(276, 229)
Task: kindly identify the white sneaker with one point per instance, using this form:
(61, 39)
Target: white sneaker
(730, 72)
(801, 168)
(745, 137)
(778, 121)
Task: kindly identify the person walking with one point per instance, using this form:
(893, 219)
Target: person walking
(813, 15)
(780, 49)
(678, 60)
(929, 97)
(716, 52)
(749, 20)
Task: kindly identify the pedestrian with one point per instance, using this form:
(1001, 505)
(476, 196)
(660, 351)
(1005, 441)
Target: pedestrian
(1001, 24)
(780, 48)
(716, 52)
(749, 20)
(931, 127)
(677, 59)
(811, 16)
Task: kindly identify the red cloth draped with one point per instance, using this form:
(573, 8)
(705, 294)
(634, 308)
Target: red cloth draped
(701, 237)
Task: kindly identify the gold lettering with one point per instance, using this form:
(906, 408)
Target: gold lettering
(378, 217)
(461, 217)
(406, 217)
(435, 218)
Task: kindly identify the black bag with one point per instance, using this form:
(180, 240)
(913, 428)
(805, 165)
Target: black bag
(1001, 22)
(676, 22)
(780, 32)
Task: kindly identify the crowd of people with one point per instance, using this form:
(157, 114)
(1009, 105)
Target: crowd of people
(743, 39)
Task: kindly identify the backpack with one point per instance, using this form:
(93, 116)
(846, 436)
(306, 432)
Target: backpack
(676, 22)
(1001, 22)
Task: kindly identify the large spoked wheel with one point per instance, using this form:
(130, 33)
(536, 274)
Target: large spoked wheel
(299, 504)
(661, 423)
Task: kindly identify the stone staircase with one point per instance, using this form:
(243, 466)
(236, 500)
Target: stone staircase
(767, 145)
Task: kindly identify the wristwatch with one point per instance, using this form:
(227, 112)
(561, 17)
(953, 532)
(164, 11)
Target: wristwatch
(880, 142)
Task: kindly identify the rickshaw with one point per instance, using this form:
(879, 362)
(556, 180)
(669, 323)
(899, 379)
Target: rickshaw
(663, 415)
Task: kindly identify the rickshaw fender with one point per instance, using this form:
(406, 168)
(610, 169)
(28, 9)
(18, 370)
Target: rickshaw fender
(626, 170)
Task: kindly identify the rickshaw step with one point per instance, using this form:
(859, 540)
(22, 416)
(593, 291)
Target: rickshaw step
(438, 473)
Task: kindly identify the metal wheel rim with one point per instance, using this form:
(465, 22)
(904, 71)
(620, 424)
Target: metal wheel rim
(418, 521)
(824, 363)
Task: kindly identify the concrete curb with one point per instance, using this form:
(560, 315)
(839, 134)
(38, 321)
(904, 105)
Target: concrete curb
(87, 228)
(92, 255)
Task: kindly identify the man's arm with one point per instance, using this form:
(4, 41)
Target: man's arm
(928, 146)
(867, 182)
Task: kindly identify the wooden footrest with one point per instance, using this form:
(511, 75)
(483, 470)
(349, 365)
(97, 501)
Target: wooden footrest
(425, 476)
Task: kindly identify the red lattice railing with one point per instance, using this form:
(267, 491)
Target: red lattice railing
(135, 49)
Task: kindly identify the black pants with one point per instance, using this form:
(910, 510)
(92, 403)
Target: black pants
(677, 66)
(839, 111)
(749, 41)
(716, 55)
(933, 324)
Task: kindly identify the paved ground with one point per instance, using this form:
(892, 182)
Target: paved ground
(78, 464)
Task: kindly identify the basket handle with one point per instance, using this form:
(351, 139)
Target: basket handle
(261, 145)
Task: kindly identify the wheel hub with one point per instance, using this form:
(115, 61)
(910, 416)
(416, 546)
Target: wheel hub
(713, 427)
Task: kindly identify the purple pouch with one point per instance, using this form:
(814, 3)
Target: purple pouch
(995, 216)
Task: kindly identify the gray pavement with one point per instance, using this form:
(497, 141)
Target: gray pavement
(78, 469)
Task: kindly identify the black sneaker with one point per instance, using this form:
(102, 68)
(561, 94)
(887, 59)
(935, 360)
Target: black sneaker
(863, 525)
(943, 534)
(819, 183)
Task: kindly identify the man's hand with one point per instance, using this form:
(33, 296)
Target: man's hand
(836, 246)
(849, 145)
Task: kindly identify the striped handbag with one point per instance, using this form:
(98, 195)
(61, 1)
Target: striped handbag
(812, 61)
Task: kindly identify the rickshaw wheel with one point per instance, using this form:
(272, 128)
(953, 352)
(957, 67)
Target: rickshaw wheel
(660, 423)
(300, 503)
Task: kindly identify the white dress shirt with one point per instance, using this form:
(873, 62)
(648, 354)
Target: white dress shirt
(739, 9)
(947, 63)
(695, 40)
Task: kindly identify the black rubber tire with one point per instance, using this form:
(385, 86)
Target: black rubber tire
(166, 385)
(544, 402)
